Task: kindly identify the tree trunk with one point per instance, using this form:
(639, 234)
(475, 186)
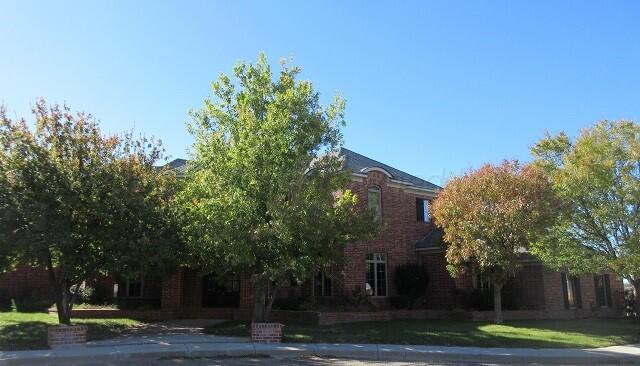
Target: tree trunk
(63, 303)
(259, 304)
(62, 294)
(497, 302)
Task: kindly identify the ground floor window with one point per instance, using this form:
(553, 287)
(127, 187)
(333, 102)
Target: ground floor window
(134, 287)
(571, 291)
(220, 292)
(322, 285)
(603, 290)
(376, 282)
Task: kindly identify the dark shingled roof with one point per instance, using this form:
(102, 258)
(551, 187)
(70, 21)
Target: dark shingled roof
(358, 163)
(433, 240)
(179, 165)
(352, 161)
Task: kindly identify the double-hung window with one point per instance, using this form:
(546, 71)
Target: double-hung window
(134, 287)
(422, 210)
(322, 285)
(376, 282)
(603, 290)
(374, 201)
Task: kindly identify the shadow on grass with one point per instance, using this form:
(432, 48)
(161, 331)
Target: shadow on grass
(590, 333)
(28, 335)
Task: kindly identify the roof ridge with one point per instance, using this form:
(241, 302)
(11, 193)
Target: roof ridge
(389, 166)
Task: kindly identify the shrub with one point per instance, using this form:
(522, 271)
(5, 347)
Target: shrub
(83, 295)
(32, 300)
(288, 303)
(101, 295)
(400, 302)
(629, 304)
(5, 300)
(411, 280)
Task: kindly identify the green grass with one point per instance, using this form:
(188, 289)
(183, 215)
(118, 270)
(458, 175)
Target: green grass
(589, 333)
(20, 331)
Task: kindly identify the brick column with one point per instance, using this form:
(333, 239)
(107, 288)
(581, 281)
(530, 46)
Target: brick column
(172, 290)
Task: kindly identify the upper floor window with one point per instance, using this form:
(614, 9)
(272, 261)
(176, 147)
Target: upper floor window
(422, 210)
(571, 291)
(603, 290)
(376, 282)
(374, 201)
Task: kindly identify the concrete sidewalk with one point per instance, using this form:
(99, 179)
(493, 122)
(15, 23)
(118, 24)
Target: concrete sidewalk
(149, 351)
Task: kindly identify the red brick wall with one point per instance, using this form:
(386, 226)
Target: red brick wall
(173, 291)
(554, 297)
(24, 278)
(400, 231)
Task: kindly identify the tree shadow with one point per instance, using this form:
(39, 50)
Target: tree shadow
(517, 334)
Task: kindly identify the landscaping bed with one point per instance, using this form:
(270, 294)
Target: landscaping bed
(585, 333)
(21, 331)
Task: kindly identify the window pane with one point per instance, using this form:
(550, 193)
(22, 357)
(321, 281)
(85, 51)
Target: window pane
(381, 279)
(374, 201)
(426, 211)
(571, 292)
(370, 284)
(134, 288)
(327, 286)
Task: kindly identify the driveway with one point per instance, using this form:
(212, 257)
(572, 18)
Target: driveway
(181, 331)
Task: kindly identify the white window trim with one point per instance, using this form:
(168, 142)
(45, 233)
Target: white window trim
(375, 263)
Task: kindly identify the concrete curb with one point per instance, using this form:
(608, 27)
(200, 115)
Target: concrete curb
(88, 354)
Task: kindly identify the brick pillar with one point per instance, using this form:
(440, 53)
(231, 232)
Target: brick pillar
(172, 290)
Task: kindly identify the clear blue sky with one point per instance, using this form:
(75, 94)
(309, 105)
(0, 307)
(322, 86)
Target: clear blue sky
(432, 88)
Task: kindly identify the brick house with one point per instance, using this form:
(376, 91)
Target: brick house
(408, 235)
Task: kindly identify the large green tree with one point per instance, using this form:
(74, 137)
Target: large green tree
(264, 195)
(80, 203)
(597, 176)
(490, 216)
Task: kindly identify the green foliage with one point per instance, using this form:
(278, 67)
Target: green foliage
(490, 215)
(30, 300)
(411, 280)
(261, 195)
(597, 176)
(80, 202)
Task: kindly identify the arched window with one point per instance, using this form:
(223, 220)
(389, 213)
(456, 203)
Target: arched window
(374, 200)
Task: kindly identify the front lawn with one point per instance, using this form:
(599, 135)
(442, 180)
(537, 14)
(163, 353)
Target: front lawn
(19, 331)
(588, 333)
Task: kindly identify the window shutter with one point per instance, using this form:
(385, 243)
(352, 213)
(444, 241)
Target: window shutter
(607, 289)
(576, 285)
(565, 294)
(419, 209)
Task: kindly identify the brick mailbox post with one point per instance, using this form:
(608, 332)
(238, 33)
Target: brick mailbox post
(66, 335)
(266, 332)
